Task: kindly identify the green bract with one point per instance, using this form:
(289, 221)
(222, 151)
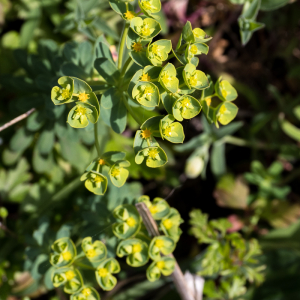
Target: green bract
(170, 130)
(104, 274)
(156, 157)
(128, 221)
(159, 208)
(195, 49)
(94, 251)
(195, 78)
(70, 277)
(161, 245)
(225, 91)
(167, 78)
(147, 74)
(64, 252)
(86, 293)
(80, 115)
(63, 95)
(95, 182)
(146, 93)
(158, 51)
(149, 7)
(200, 36)
(226, 112)
(118, 174)
(186, 107)
(170, 224)
(146, 28)
(165, 266)
(136, 251)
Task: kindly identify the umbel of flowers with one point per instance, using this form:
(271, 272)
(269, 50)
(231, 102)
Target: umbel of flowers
(146, 81)
(134, 243)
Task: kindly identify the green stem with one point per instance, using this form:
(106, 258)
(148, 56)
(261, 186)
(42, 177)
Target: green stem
(128, 63)
(97, 145)
(84, 266)
(130, 110)
(122, 44)
(99, 92)
(171, 55)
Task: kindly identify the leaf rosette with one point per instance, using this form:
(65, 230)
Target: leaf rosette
(158, 51)
(136, 251)
(86, 293)
(186, 107)
(170, 130)
(195, 78)
(170, 224)
(155, 157)
(93, 251)
(69, 277)
(64, 252)
(165, 266)
(161, 245)
(128, 221)
(104, 273)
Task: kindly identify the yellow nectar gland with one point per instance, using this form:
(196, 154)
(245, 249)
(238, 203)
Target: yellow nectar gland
(129, 15)
(98, 179)
(145, 77)
(65, 93)
(103, 272)
(153, 209)
(157, 50)
(67, 255)
(80, 111)
(70, 275)
(137, 47)
(153, 153)
(147, 4)
(159, 243)
(91, 253)
(83, 97)
(168, 131)
(223, 90)
(186, 103)
(148, 90)
(101, 162)
(86, 292)
(194, 49)
(160, 264)
(208, 101)
(166, 78)
(145, 134)
(168, 223)
(223, 109)
(193, 80)
(131, 222)
(115, 172)
(136, 248)
(145, 30)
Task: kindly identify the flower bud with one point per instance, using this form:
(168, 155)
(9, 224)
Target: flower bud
(194, 167)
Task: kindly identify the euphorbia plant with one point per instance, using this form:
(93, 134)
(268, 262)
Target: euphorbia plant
(141, 82)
